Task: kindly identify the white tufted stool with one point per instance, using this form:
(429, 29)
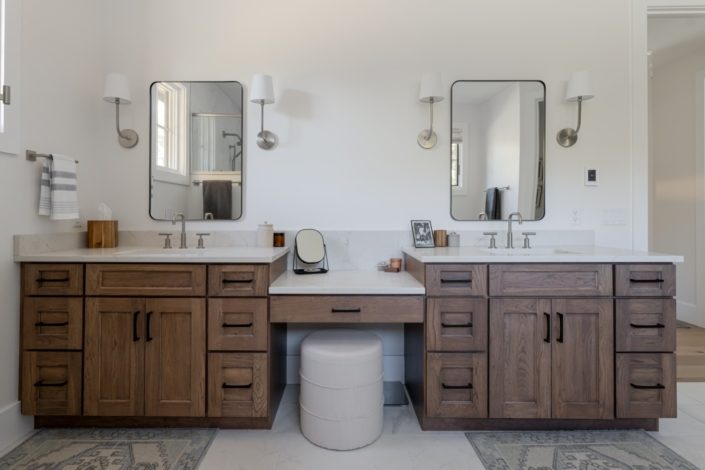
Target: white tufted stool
(342, 392)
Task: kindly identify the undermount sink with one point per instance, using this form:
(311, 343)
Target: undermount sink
(527, 251)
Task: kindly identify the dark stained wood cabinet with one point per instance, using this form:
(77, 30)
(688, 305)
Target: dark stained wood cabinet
(238, 385)
(646, 385)
(551, 280)
(51, 383)
(456, 324)
(456, 385)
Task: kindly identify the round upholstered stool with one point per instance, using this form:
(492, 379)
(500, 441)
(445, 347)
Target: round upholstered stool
(342, 392)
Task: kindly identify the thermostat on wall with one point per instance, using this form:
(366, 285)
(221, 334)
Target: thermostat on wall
(591, 176)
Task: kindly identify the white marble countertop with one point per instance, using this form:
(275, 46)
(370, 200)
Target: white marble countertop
(561, 254)
(134, 254)
(347, 283)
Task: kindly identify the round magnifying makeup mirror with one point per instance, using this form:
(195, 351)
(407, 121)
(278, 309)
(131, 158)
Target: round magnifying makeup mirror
(310, 249)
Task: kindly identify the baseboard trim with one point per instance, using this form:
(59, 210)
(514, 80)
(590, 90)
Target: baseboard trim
(14, 428)
(688, 313)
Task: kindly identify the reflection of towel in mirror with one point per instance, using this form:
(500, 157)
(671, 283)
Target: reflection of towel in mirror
(218, 199)
(493, 204)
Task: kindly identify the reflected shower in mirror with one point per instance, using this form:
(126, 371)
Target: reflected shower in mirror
(196, 150)
(497, 156)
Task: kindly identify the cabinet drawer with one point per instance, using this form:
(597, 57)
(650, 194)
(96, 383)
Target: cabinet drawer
(551, 280)
(237, 385)
(146, 279)
(456, 279)
(51, 383)
(456, 324)
(456, 385)
(52, 323)
(346, 309)
(645, 280)
(237, 324)
(237, 280)
(646, 325)
(53, 279)
(646, 385)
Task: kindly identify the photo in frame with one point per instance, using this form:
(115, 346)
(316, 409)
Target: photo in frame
(422, 232)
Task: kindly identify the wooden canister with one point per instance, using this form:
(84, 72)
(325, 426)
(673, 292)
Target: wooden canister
(102, 234)
(440, 237)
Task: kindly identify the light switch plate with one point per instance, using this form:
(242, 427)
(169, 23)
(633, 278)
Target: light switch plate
(592, 176)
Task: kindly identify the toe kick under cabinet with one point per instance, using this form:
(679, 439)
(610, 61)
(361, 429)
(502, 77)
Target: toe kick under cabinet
(150, 344)
(543, 346)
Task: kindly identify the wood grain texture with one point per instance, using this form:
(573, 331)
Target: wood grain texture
(415, 366)
(551, 280)
(456, 385)
(456, 324)
(114, 360)
(163, 280)
(456, 280)
(237, 324)
(149, 422)
(276, 269)
(416, 268)
(52, 323)
(238, 280)
(237, 385)
(583, 363)
(645, 325)
(102, 234)
(175, 357)
(520, 358)
(346, 309)
(508, 424)
(637, 280)
(277, 366)
(639, 370)
(51, 383)
(53, 279)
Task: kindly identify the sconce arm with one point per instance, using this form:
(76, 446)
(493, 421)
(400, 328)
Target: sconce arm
(580, 113)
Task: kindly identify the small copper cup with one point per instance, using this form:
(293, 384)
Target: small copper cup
(395, 263)
(440, 237)
(279, 239)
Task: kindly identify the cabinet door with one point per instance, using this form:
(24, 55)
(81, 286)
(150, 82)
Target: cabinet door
(583, 359)
(114, 357)
(175, 357)
(520, 358)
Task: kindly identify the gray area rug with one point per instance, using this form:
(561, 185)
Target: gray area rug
(114, 449)
(559, 450)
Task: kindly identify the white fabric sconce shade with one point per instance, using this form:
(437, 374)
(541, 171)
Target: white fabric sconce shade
(261, 93)
(579, 86)
(431, 91)
(116, 88)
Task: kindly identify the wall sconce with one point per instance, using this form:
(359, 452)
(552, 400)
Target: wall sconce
(116, 91)
(579, 89)
(261, 93)
(431, 91)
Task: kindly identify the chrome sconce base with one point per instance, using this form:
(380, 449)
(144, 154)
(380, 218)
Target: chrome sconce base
(427, 140)
(128, 138)
(266, 140)
(567, 137)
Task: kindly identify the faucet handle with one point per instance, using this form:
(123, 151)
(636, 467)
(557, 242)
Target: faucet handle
(527, 241)
(167, 240)
(493, 242)
(200, 239)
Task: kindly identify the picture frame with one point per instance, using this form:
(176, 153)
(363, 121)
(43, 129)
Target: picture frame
(422, 232)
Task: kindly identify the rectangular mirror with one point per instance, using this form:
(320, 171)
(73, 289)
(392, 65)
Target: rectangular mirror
(497, 161)
(196, 150)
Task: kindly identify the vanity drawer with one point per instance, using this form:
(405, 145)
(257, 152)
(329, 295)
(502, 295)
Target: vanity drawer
(645, 280)
(237, 385)
(456, 385)
(237, 324)
(174, 280)
(52, 323)
(238, 280)
(51, 383)
(456, 324)
(346, 309)
(646, 385)
(53, 279)
(551, 280)
(456, 280)
(645, 325)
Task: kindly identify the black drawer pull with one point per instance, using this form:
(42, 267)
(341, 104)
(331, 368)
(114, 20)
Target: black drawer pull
(560, 327)
(657, 325)
(547, 338)
(463, 325)
(456, 281)
(149, 327)
(237, 281)
(226, 385)
(237, 325)
(44, 323)
(646, 281)
(41, 383)
(648, 387)
(456, 387)
(63, 279)
(135, 317)
(346, 310)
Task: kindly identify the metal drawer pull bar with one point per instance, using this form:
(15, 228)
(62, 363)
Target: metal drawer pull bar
(226, 385)
(346, 310)
(456, 281)
(648, 387)
(547, 338)
(654, 281)
(237, 325)
(560, 329)
(456, 387)
(41, 383)
(135, 316)
(657, 325)
(63, 279)
(149, 327)
(237, 281)
(43, 323)
(463, 325)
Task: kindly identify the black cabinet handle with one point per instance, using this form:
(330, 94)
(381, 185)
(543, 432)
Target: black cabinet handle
(41, 280)
(456, 281)
(463, 325)
(41, 383)
(346, 310)
(646, 281)
(237, 281)
(547, 338)
(560, 327)
(44, 323)
(135, 316)
(648, 387)
(149, 327)
(226, 385)
(237, 325)
(657, 325)
(456, 387)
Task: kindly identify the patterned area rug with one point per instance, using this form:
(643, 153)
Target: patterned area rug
(113, 449)
(560, 450)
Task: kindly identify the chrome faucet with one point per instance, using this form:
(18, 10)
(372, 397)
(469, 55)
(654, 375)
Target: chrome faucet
(183, 228)
(510, 235)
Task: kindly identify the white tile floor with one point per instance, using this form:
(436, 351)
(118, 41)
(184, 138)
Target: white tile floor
(404, 446)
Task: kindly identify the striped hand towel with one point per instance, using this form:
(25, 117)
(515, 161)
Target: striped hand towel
(58, 196)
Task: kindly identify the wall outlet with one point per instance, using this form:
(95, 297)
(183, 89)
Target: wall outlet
(79, 224)
(591, 176)
(575, 217)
